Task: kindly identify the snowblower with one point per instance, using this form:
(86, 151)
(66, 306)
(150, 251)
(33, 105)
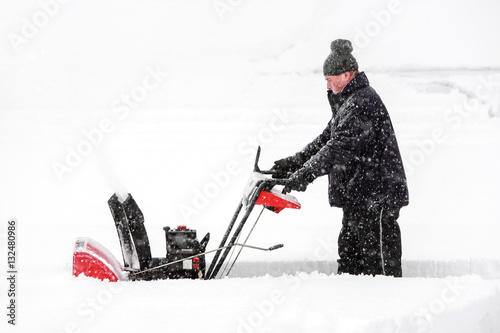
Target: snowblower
(185, 255)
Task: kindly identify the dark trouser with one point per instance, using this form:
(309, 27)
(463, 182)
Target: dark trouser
(370, 242)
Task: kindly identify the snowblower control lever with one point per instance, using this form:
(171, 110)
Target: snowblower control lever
(275, 247)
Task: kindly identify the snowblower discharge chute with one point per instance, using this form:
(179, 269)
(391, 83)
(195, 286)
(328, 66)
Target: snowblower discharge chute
(185, 255)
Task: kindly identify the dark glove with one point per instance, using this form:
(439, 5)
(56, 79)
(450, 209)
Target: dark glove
(299, 180)
(290, 164)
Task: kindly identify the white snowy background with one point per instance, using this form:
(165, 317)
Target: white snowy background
(168, 100)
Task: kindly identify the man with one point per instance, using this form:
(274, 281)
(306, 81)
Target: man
(359, 153)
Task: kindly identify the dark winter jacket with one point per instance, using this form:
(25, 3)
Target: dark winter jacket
(358, 150)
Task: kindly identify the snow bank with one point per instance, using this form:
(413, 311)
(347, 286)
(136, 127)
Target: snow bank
(485, 268)
(297, 303)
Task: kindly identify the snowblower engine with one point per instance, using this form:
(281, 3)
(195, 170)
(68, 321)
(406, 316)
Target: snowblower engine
(182, 243)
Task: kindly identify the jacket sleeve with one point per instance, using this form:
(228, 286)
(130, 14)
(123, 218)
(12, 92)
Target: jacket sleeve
(315, 146)
(350, 138)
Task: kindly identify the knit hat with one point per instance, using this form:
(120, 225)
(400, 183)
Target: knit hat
(340, 59)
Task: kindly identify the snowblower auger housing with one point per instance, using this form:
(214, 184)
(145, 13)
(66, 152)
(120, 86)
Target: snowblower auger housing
(185, 255)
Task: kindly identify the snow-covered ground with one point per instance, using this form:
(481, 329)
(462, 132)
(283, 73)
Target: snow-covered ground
(169, 100)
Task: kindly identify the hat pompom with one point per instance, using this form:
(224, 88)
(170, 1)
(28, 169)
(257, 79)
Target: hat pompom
(341, 46)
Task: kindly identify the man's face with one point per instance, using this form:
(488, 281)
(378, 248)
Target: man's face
(336, 83)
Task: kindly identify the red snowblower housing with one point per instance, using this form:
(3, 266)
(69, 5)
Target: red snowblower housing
(92, 259)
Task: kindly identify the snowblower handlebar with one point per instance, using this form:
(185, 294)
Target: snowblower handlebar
(258, 191)
(276, 174)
